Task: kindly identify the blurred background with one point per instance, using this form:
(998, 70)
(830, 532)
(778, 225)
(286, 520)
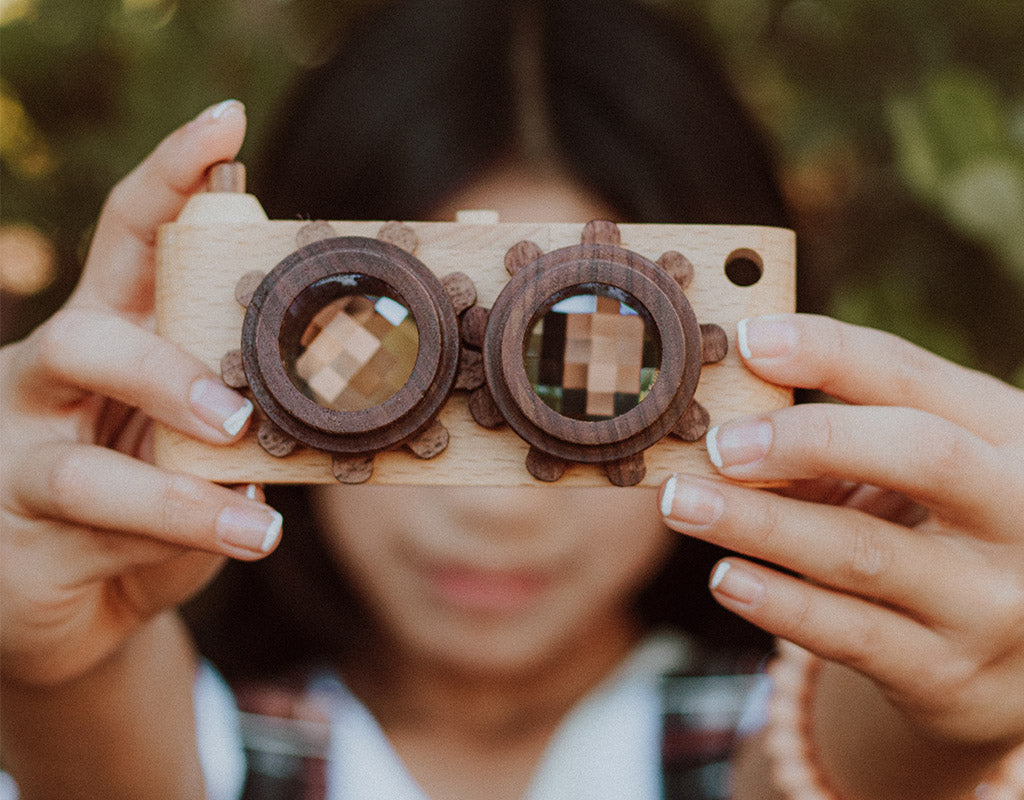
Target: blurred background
(898, 129)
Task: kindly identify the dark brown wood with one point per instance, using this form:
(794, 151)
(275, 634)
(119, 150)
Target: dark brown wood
(400, 235)
(678, 267)
(714, 343)
(651, 289)
(484, 411)
(352, 469)
(544, 467)
(314, 232)
(556, 275)
(628, 471)
(693, 424)
(460, 290)
(432, 442)
(601, 231)
(274, 440)
(473, 326)
(520, 254)
(411, 408)
(226, 176)
(231, 370)
(247, 285)
(471, 370)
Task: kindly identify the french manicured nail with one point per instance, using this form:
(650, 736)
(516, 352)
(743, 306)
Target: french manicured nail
(691, 501)
(741, 443)
(254, 527)
(737, 583)
(218, 112)
(220, 406)
(766, 337)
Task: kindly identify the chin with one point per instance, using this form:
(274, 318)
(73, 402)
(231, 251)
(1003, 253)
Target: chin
(487, 645)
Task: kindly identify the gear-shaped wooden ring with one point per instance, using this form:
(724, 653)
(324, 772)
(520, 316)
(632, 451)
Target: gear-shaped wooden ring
(647, 295)
(350, 345)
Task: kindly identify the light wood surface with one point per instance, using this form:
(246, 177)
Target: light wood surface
(221, 236)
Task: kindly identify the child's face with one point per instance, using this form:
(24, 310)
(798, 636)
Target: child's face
(498, 579)
(495, 580)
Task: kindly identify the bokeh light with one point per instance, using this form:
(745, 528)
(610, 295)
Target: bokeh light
(28, 260)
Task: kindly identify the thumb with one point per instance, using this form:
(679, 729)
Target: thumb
(119, 271)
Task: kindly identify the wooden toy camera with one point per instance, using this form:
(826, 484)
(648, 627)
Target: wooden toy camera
(471, 352)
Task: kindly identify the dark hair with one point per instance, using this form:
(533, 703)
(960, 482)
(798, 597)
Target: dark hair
(422, 97)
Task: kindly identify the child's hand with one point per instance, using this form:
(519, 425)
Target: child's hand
(926, 596)
(95, 540)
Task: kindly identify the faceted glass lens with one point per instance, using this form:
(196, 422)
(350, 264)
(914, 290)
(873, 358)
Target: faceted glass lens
(594, 354)
(347, 345)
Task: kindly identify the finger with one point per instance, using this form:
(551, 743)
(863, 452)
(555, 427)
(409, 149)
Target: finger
(119, 269)
(888, 505)
(158, 584)
(154, 562)
(873, 640)
(71, 555)
(881, 503)
(155, 587)
(96, 487)
(924, 457)
(842, 548)
(869, 367)
(254, 491)
(828, 491)
(84, 351)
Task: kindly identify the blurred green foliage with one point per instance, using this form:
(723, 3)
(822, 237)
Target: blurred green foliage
(956, 151)
(90, 86)
(900, 134)
(899, 129)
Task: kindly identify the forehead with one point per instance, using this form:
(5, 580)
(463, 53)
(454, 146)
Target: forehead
(525, 194)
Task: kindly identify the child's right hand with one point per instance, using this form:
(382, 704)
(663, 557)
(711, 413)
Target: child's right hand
(95, 540)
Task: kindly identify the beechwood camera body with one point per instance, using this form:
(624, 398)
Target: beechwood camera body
(472, 352)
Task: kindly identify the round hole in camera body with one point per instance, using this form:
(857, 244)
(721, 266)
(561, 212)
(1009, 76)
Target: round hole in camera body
(350, 345)
(744, 267)
(669, 352)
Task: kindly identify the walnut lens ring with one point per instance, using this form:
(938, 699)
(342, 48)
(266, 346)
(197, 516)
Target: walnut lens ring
(357, 283)
(603, 270)
(365, 277)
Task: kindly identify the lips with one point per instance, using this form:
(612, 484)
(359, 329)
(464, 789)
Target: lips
(487, 591)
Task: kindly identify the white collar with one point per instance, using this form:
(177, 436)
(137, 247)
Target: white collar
(606, 747)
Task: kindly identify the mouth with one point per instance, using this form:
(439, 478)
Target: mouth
(499, 592)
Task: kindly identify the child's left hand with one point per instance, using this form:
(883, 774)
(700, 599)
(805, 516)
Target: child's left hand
(906, 519)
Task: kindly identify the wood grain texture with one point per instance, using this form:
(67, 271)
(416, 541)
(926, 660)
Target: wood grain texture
(678, 266)
(714, 343)
(382, 268)
(628, 471)
(555, 275)
(220, 237)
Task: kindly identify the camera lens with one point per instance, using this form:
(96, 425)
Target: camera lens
(349, 342)
(594, 354)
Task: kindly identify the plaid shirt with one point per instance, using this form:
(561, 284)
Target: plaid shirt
(286, 736)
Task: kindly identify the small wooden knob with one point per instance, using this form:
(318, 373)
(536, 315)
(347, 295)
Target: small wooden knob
(226, 176)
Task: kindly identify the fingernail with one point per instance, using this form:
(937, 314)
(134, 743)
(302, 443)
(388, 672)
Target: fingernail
(224, 108)
(218, 111)
(741, 443)
(766, 337)
(250, 527)
(690, 501)
(220, 406)
(737, 584)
